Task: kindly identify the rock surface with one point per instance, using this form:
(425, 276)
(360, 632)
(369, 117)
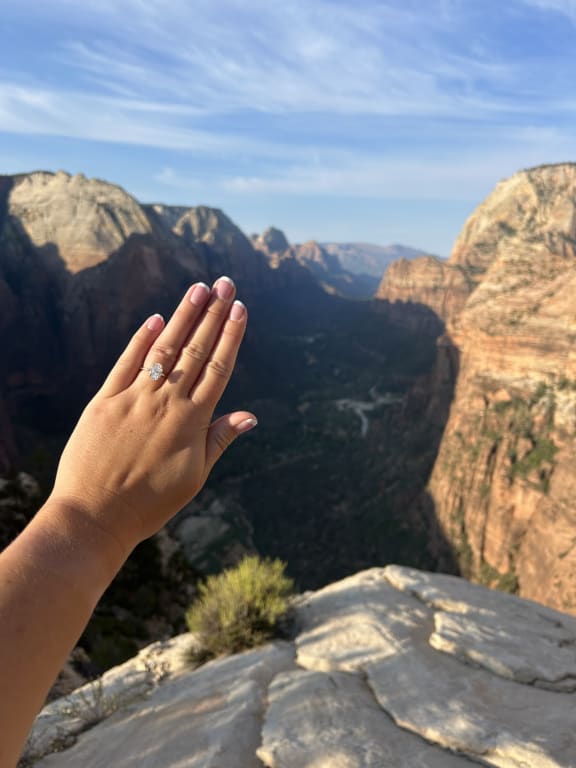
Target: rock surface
(503, 484)
(363, 685)
(434, 290)
(81, 220)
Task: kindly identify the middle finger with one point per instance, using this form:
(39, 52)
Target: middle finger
(198, 346)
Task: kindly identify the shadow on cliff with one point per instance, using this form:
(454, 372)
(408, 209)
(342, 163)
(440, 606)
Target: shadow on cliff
(423, 419)
(359, 496)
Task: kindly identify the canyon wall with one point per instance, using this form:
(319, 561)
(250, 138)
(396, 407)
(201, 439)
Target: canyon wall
(503, 485)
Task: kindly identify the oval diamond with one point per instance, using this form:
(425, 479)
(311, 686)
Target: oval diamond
(156, 371)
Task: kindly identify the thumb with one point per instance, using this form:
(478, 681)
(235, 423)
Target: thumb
(224, 431)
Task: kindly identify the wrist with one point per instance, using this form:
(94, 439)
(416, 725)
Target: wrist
(67, 536)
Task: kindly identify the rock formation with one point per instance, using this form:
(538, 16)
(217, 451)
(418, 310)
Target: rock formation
(425, 293)
(391, 668)
(503, 484)
(68, 314)
(78, 220)
(324, 265)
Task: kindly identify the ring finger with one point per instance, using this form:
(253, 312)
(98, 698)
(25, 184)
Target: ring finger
(162, 355)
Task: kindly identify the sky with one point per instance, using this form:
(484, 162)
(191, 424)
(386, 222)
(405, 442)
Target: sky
(384, 121)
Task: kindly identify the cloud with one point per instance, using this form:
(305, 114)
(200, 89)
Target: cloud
(27, 110)
(422, 175)
(392, 98)
(563, 7)
(328, 56)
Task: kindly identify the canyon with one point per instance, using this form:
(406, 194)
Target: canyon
(432, 426)
(81, 263)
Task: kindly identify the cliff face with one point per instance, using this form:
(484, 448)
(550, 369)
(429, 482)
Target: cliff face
(503, 485)
(435, 291)
(81, 221)
(229, 249)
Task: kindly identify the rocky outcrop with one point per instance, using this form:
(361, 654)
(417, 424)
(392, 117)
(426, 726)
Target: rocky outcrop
(272, 242)
(77, 220)
(389, 668)
(324, 265)
(503, 483)
(230, 251)
(424, 294)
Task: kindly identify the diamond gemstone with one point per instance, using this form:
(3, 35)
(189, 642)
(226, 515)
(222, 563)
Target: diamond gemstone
(156, 372)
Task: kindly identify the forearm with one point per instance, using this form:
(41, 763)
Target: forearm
(51, 576)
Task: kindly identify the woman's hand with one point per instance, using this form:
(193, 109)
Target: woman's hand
(143, 448)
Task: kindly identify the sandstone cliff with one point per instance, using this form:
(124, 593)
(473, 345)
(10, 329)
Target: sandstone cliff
(425, 293)
(391, 668)
(503, 485)
(79, 220)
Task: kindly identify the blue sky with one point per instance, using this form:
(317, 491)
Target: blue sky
(376, 120)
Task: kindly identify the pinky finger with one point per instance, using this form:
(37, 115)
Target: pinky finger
(130, 361)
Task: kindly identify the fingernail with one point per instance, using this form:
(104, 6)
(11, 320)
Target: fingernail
(155, 323)
(246, 425)
(224, 288)
(199, 293)
(238, 311)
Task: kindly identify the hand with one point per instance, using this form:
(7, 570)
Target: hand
(142, 448)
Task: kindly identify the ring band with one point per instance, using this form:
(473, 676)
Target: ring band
(155, 371)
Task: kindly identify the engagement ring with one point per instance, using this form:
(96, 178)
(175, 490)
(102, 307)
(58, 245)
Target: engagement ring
(155, 371)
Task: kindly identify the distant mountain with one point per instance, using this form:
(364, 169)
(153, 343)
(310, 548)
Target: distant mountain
(321, 262)
(369, 259)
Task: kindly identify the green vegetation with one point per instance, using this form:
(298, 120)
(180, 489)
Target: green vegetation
(506, 229)
(491, 577)
(530, 420)
(543, 451)
(241, 607)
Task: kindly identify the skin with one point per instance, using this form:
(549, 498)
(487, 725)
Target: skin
(140, 451)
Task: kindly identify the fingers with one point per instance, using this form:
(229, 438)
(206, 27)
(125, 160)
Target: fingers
(130, 361)
(168, 345)
(214, 377)
(198, 347)
(224, 431)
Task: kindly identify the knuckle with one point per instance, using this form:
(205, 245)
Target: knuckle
(219, 368)
(218, 309)
(195, 351)
(164, 350)
(223, 439)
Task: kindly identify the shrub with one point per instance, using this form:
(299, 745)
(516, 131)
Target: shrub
(241, 607)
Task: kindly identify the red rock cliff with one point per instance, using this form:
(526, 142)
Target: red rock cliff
(504, 482)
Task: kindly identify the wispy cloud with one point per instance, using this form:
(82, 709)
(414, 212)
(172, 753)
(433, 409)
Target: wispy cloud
(374, 58)
(375, 175)
(564, 7)
(258, 99)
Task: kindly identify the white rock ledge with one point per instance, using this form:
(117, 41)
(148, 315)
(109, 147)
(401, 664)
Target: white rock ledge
(394, 668)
